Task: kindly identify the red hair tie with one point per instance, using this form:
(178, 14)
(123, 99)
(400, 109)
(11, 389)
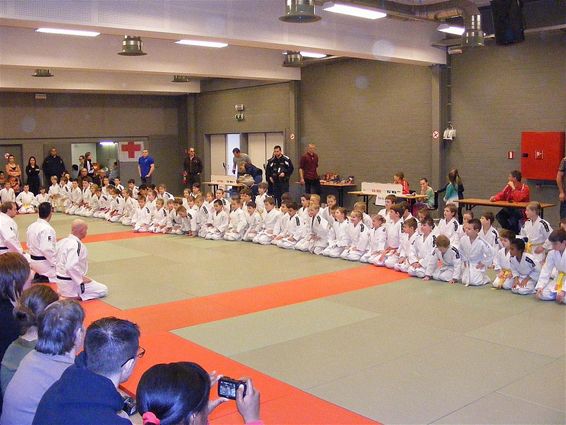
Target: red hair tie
(150, 418)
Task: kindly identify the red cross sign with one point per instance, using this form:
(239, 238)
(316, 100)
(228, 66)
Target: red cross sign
(130, 151)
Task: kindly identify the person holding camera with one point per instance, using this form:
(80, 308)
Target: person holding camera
(278, 171)
(178, 394)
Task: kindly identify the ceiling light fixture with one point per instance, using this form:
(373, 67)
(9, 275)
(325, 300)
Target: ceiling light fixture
(42, 73)
(132, 46)
(299, 12)
(62, 31)
(181, 79)
(107, 143)
(313, 55)
(202, 43)
(451, 29)
(357, 11)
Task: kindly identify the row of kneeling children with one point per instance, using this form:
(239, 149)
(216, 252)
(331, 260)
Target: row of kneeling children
(449, 251)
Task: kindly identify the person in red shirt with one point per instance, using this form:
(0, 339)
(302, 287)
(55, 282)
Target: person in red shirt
(514, 191)
(399, 178)
(308, 170)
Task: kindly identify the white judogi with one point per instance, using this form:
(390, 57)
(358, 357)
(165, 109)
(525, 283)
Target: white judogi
(55, 196)
(359, 239)
(328, 215)
(270, 227)
(393, 240)
(129, 210)
(260, 203)
(93, 206)
(190, 223)
(527, 268)
(255, 223)
(536, 232)
(71, 268)
(450, 265)
(377, 240)
(295, 232)
(204, 220)
(237, 226)
(143, 220)
(9, 239)
(7, 195)
(41, 240)
(219, 225)
(450, 230)
(491, 236)
(280, 228)
(421, 252)
(75, 197)
(502, 265)
(316, 239)
(135, 191)
(405, 247)
(25, 202)
(116, 209)
(40, 198)
(338, 239)
(367, 220)
(158, 220)
(85, 204)
(555, 260)
(472, 254)
(385, 214)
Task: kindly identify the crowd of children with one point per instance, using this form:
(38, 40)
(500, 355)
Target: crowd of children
(529, 263)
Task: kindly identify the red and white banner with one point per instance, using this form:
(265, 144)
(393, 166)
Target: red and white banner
(129, 151)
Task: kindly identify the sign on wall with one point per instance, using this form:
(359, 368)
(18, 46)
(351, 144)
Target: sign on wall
(130, 151)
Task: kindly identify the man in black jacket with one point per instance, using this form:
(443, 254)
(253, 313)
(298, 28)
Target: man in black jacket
(278, 171)
(192, 168)
(53, 165)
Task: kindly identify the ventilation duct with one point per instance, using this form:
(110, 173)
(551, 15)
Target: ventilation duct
(181, 79)
(132, 46)
(299, 12)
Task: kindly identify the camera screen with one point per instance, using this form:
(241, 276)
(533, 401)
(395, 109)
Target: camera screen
(227, 389)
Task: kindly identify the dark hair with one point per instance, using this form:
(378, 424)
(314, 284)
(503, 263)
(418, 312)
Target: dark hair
(557, 235)
(251, 204)
(246, 191)
(269, 200)
(516, 174)
(44, 210)
(132, 181)
(428, 220)
(400, 174)
(476, 224)
(392, 198)
(277, 147)
(14, 273)
(109, 343)
(488, 215)
(31, 304)
(219, 202)
(57, 327)
(30, 158)
(196, 185)
(425, 179)
(518, 243)
(235, 150)
(142, 187)
(293, 205)
(173, 392)
(412, 223)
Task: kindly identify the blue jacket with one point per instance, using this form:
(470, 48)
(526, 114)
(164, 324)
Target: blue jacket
(80, 397)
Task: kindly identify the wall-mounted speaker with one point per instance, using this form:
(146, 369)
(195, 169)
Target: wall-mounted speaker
(508, 21)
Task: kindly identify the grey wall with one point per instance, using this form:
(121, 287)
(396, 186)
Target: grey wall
(268, 109)
(368, 119)
(69, 118)
(498, 92)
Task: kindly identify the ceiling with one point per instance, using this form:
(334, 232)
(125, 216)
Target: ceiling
(255, 36)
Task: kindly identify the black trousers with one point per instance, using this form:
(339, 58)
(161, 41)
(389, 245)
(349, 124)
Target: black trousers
(509, 219)
(278, 188)
(192, 179)
(312, 186)
(562, 209)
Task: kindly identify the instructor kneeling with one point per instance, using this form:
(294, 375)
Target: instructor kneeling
(72, 265)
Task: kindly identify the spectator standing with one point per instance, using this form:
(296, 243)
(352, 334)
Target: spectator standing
(278, 171)
(239, 159)
(192, 168)
(308, 170)
(146, 167)
(14, 173)
(53, 165)
(560, 183)
(32, 173)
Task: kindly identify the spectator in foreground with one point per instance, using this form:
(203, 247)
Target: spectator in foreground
(178, 393)
(87, 392)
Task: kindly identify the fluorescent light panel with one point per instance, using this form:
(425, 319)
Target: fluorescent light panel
(62, 31)
(106, 143)
(202, 43)
(313, 55)
(451, 29)
(359, 12)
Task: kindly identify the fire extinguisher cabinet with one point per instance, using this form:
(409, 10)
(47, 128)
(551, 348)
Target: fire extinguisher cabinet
(541, 153)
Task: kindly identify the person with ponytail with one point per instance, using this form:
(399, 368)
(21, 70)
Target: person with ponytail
(178, 394)
(27, 310)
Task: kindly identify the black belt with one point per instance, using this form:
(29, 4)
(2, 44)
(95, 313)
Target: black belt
(3, 247)
(38, 257)
(63, 278)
